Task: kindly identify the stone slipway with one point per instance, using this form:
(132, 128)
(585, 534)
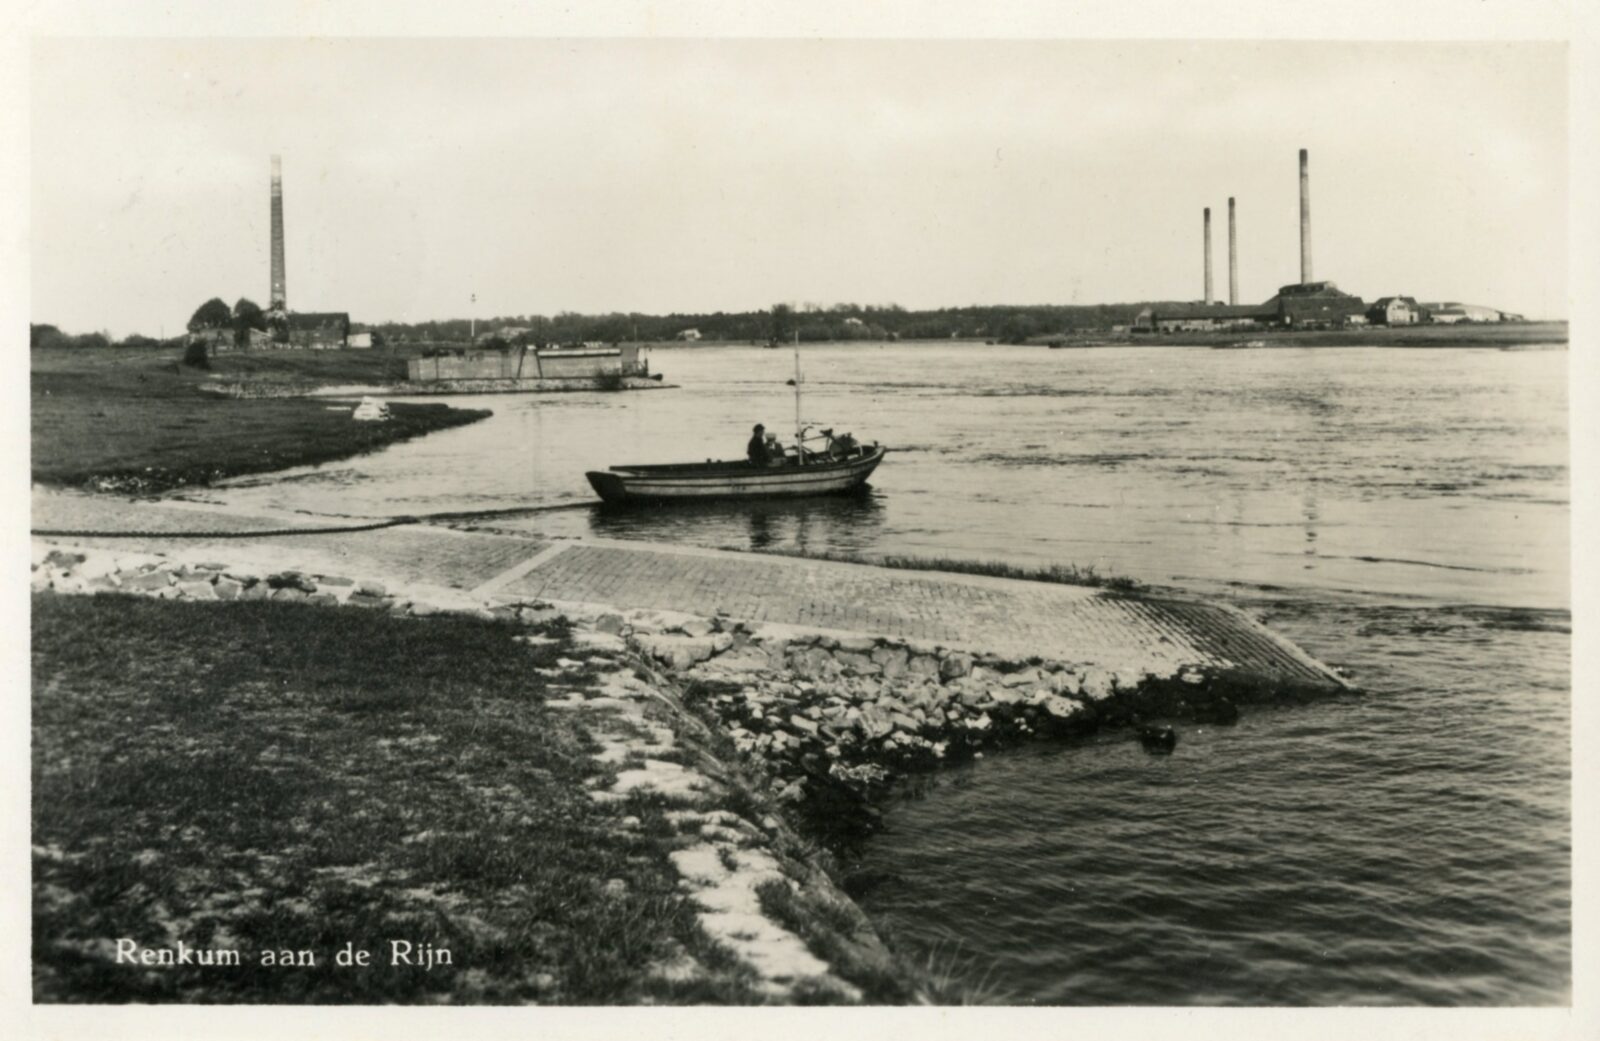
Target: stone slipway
(1120, 633)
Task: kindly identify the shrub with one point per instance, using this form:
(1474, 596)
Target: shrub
(197, 355)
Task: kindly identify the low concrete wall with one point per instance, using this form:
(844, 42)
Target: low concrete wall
(545, 363)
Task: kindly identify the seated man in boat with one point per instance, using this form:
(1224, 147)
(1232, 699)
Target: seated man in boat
(757, 450)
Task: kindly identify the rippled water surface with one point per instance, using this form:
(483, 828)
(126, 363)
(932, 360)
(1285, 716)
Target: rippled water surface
(1400, 513)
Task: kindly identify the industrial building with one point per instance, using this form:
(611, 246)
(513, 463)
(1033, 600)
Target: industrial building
(1450, 312)
(1307, 304)
(1314, 305)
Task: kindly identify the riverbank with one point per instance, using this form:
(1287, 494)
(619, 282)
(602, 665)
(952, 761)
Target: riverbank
(728, 739)
(500, 807)
(135, 420)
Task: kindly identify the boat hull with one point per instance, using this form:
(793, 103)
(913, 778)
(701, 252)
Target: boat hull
(733, 480)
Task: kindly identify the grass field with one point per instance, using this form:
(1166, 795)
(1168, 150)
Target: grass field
(363, 366)
(131, 419)
(269, 776)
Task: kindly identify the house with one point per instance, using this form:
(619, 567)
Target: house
(852, 321)
(318, 330)
(359, 341)
(689, 334)
(1395, 310)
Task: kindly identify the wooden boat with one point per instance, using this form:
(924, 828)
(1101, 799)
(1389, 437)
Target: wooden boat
(841, 469)
(839, 465)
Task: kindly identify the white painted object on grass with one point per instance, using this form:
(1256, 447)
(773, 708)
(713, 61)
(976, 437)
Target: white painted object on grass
(371, 410)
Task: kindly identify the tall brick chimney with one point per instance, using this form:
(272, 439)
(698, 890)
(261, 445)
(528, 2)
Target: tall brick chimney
(1305, 219)
(1233, 256)
(1208, 253)
(278, 297)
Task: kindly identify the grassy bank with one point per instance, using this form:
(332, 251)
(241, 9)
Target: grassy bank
(267, 776)
(360, 366)
(135, 420)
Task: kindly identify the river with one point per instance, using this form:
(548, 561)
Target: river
(1402, 514)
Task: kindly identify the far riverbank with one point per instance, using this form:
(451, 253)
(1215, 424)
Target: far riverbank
(1484, 334)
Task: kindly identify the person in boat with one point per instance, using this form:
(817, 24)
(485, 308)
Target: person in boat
(757, 450)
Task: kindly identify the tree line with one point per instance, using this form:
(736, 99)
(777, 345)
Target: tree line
(781, 323)
(811, 323)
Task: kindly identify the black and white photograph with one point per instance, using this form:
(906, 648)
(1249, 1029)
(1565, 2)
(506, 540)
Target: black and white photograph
(712, 519)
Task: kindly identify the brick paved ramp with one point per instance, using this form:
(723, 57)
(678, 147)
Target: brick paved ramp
(1002, 616)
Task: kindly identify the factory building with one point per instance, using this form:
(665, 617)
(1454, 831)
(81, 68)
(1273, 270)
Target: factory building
(1396, 310)
(1314, 305)
(1201, 318)
(1449, 313)
(326, 330)
(1306, 304)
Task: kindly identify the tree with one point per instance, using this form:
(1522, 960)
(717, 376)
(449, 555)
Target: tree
(213, 314)
(42, 335)
(782, 322)
(247, 315)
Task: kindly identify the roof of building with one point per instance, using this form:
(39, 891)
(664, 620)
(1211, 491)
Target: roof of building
(1311, 289)
(1194, 311)
(1385, 301)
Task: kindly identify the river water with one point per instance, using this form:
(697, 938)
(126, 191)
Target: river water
(1402, 514)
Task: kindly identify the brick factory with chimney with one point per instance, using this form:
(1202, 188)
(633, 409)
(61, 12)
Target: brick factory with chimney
(316, 330)
(1305, 304)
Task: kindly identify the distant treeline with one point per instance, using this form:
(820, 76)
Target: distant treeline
(40, 335)
(1003, 323)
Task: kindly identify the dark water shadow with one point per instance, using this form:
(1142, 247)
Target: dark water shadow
(835, 522)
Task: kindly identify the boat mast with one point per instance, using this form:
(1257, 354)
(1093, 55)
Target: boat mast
(799, 445)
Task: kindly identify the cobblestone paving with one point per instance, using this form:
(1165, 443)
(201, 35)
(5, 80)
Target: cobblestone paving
(1072, 623)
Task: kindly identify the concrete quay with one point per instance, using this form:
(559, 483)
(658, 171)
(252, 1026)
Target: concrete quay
(1122, 634)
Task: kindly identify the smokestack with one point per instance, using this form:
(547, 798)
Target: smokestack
(1305, 219)
(278, 297)
(1233, 257)
(1208, 253)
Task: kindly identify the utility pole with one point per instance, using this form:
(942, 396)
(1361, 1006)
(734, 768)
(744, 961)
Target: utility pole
(472, 335)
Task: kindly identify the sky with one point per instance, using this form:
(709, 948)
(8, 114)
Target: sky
(702, 175)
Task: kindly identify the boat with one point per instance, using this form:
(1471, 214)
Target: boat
(818, 463)
(842, 466)
(1241, 345)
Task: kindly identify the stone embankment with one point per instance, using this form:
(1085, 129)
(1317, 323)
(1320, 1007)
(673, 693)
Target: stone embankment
(274, 389)
(825, 714)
